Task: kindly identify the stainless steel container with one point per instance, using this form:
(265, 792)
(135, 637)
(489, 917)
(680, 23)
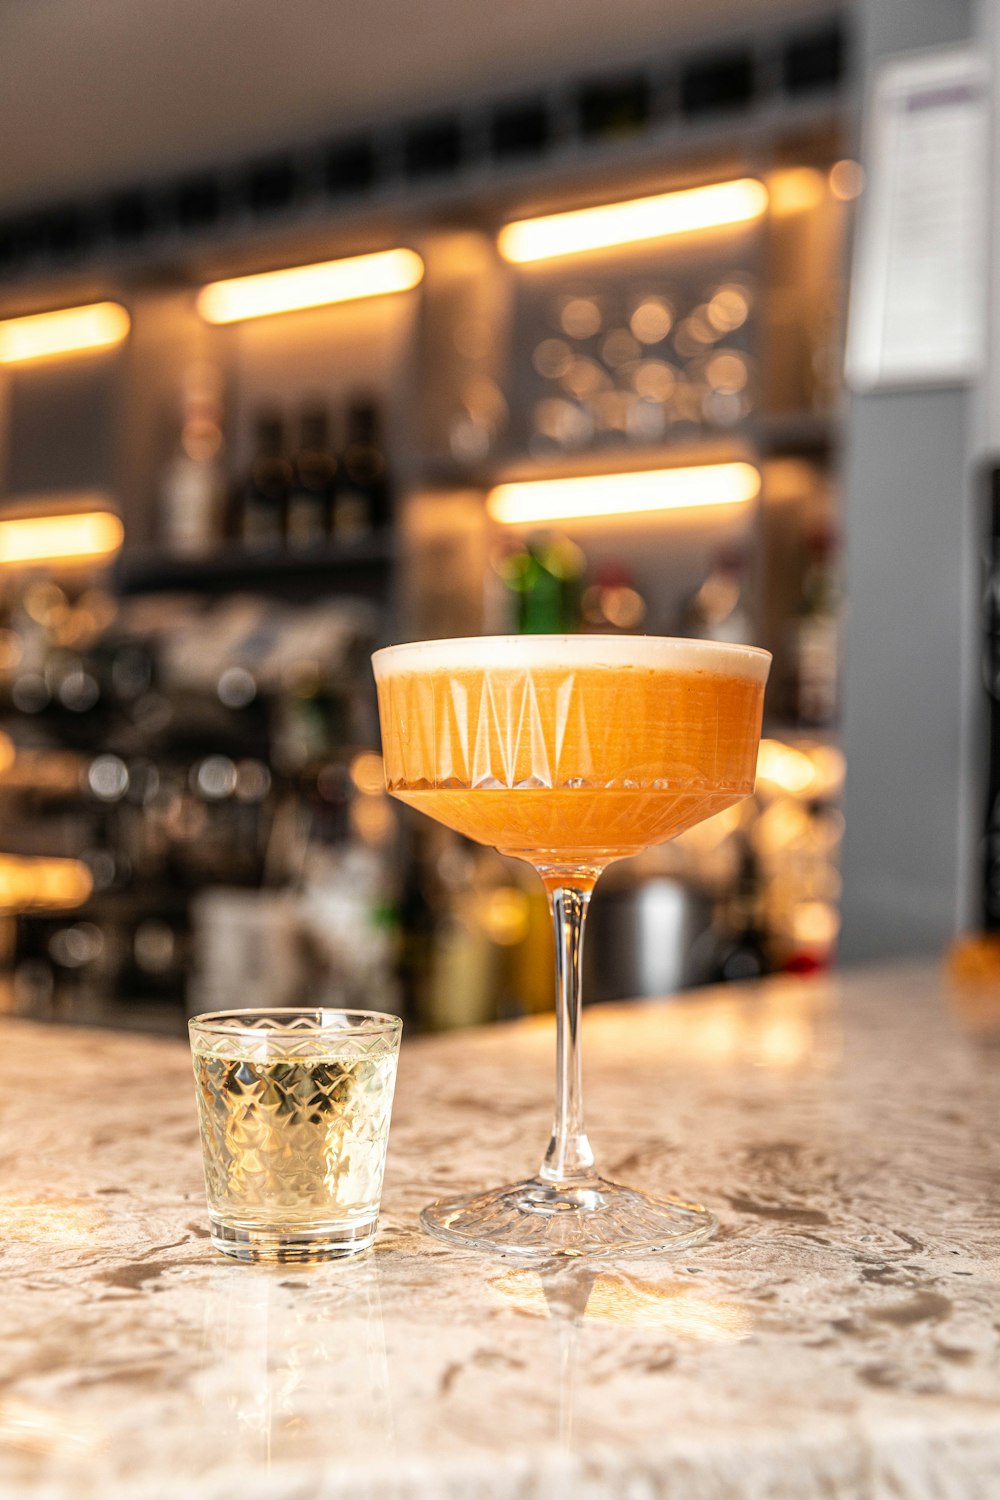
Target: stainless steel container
(648, 938)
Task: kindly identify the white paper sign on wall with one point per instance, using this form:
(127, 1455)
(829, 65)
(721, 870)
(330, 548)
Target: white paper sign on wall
(918, 302)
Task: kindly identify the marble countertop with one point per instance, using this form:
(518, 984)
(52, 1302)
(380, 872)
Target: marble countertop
(838, 1339)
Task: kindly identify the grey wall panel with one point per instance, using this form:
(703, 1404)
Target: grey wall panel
(906, 483)
(909, 686)
(63, 424)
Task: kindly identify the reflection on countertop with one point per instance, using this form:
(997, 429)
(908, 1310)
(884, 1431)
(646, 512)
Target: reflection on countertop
(838, 1337)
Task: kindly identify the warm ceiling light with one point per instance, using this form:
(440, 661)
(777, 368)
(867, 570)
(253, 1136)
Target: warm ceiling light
(70, 330)
(310, 286)
(71, 538)
(623, 494)
(641, 219)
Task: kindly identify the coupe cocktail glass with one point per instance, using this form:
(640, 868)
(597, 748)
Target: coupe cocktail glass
(570, 752)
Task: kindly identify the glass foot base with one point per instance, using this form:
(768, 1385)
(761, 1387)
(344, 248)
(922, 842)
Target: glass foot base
(538, 1220)
(280, 1246)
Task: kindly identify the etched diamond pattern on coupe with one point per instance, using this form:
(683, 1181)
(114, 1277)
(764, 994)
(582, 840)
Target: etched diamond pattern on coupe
(297, 1139)
(588, 761)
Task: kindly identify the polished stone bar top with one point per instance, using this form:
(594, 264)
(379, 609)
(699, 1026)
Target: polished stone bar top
(839, 1338)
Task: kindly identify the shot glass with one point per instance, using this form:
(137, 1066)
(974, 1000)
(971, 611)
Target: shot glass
(294, 1110)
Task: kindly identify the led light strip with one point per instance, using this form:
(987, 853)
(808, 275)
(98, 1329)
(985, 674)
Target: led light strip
(522, 504)
(78, 537)
(299, 287)
(34, 882)
(640, 219)
(68, 330)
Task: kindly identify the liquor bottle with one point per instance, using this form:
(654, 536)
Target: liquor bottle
(743, 949)
(545, 576)
(263, 497)
(417, 914)
(192, 487)
(314, 475)
(816, 635)
(362, 500)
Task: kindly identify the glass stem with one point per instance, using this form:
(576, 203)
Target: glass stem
(569, 1158)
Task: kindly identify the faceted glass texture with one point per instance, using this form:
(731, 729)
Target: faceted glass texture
(294, 1110)
(588, 758)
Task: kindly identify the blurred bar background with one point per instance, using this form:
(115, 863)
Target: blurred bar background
(221, 490)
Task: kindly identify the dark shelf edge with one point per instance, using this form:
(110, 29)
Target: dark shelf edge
(151, 571)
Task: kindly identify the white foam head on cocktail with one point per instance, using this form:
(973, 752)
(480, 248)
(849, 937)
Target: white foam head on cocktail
(517, 652)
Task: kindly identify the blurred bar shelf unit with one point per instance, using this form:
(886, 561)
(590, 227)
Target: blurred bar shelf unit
(453, 360)
(763, 105)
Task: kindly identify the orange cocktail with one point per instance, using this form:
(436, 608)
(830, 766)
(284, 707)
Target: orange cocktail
(570, 752)
(563, 752)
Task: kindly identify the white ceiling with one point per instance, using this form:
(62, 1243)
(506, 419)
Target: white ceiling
(95, 93)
